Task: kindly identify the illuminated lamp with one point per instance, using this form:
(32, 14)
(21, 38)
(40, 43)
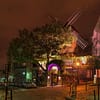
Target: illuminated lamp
(77, 64)
(59, 77)
(48, 77)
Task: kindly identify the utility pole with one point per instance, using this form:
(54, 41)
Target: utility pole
(98, 91)
(6, 82)
(7, 70)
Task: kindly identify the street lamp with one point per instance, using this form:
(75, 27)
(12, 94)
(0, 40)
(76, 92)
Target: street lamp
(78, 65)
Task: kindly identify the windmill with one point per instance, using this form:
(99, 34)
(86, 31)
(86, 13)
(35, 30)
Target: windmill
(71, 20)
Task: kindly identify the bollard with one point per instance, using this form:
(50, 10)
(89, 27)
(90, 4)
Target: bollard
(86, 86)
(73, 91)
(98, 91)
(94, 95)
(11, 94)
(6, 92)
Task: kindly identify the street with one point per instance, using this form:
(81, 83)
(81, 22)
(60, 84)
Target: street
(51, 93)
(45, 93)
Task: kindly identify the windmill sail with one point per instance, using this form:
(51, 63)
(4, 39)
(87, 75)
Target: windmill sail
(73, 18)
(80, 41)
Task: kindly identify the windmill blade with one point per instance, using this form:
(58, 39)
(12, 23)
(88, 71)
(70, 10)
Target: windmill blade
(73, 18)
(80, 41)
(74, 13)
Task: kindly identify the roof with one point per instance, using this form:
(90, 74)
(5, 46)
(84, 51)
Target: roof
(97, 27)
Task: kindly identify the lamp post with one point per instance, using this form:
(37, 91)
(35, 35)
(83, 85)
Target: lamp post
(6, 83)
(7, 69)
(78, 65)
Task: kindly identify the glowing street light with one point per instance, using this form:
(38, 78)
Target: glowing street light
(78, 65)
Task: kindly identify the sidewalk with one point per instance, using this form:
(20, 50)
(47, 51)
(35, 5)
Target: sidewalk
(84, 91)
(2, 94)
(87, 92)
(58, 92)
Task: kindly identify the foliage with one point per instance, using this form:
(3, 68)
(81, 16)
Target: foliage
(32, 45)
(97, 62)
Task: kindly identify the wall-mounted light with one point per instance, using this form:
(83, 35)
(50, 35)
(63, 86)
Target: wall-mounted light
(48, 77)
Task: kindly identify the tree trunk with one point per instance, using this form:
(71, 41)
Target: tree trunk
(47, 61)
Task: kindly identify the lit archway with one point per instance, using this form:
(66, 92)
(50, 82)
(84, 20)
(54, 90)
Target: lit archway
(52, 65)
(53, 74)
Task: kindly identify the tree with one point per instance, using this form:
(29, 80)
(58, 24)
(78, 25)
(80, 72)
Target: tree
(97, 62)
(33, 45)
(14, 50)
(50, 36)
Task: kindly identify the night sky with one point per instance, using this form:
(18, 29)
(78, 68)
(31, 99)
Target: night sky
(19, 14)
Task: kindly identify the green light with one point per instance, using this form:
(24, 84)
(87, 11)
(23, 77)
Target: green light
(28, 75)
